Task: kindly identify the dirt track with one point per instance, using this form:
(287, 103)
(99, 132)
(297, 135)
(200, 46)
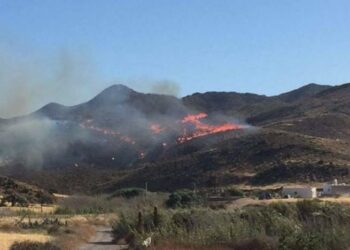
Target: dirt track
(102, 240)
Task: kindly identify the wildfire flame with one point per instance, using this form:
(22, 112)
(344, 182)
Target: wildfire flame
(156, 128)
(106, 131)
(191, 126)
(201, 128)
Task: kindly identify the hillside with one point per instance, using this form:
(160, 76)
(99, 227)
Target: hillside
(215, 138)
(262, 157)
(22, 193)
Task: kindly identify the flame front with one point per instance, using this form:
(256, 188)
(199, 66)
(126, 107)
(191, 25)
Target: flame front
(201, 128)
(106, 131)
(191, 126)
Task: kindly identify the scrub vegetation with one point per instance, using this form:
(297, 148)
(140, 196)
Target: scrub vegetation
(302, 225)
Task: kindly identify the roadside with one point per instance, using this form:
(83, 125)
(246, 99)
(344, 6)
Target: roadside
(102, 240)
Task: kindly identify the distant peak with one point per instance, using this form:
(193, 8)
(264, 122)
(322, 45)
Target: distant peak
(114, 94)
(314, 85)
(118, 87)
(305, 91)
(50, 107)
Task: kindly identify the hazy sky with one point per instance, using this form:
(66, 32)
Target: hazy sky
(67, 51)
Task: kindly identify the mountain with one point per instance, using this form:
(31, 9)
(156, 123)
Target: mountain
(201, 139)
(116, 101)
(307, 91)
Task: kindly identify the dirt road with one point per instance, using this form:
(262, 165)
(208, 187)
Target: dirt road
(102, 240)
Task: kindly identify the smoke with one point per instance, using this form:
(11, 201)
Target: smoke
(146, 85)
(116, 125)
(28, 141)
(29, 81)
(166, 88)
(90, 133)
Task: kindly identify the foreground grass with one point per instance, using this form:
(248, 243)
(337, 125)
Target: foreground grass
(7, 239)
(302, 225)
(28, 228)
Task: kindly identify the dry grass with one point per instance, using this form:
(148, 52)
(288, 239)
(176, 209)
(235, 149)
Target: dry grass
(248, 201)
(278, 185)
(343, 199)
(36, 208)
(177, 246)
(80, 232)
(7, 239)
(60, 196)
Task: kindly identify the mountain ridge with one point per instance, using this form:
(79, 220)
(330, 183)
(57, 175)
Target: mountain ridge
(292, 134)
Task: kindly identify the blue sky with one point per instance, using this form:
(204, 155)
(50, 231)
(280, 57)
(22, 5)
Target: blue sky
(261, 46)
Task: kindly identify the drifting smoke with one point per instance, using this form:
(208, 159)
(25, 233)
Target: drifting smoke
(119, 124)
(145, 85)
(165, 88)
(28, 141)
(32, 141)
(28, 81)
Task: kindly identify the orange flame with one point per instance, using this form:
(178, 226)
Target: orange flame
(202, 129)
(106, 131)
(156, 128)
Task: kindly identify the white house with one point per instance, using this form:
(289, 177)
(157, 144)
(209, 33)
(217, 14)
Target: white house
(336, 188)
(300, 191)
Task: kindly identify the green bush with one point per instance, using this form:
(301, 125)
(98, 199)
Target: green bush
(184, 199)
(129, 192)
(301, 225)
(123, 228)
(262, 243)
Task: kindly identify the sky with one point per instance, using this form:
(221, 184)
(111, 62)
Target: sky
(67, 51)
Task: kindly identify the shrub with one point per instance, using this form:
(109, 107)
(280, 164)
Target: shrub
(85, 205)
(235, 192)
(123, 228)
(128, 192)
(306, 208)
(29, 245)
(184, 199)
(15, 198)
(262, 243)
(285, 209)
(303, 225)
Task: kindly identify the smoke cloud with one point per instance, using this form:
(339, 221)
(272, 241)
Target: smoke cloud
(28, 81)
(166, 88)
(28, 141)
(145, 85)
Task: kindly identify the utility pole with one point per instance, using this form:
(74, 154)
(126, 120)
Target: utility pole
(146, 189)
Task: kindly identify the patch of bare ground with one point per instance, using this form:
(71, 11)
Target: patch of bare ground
(82, 229)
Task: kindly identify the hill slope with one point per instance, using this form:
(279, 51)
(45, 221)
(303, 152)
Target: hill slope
(300, 135)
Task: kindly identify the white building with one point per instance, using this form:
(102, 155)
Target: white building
(336, 188)
(300, 192)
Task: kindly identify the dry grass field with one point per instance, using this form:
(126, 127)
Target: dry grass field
(7, 239)
(32, 208)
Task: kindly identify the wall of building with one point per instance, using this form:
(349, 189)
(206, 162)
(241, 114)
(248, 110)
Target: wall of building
(341, 190)
(303, 192)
